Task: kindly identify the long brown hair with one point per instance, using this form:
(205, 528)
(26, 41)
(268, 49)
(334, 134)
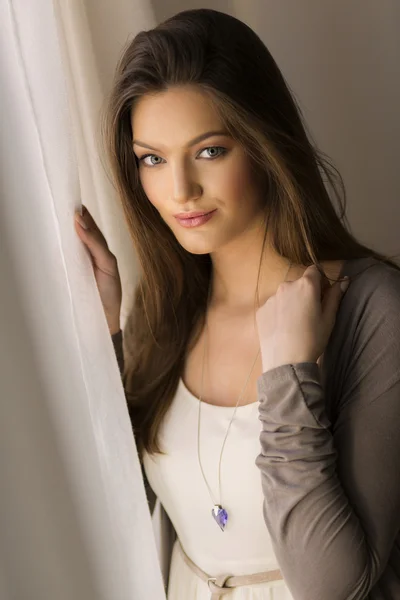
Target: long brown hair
(227, 61)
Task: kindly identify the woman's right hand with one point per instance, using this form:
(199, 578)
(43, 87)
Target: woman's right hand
(105, 267)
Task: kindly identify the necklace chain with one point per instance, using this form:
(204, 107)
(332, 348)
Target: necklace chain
(231, 421)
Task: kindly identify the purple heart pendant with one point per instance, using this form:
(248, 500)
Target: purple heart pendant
(220, 516)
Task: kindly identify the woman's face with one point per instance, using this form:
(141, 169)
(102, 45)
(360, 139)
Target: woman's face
(181, 173)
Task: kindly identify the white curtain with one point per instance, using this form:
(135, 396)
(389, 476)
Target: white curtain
(74, 521)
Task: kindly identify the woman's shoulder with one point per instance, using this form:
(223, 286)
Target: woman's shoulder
(369, 312)
(374, 286)
(365, 345)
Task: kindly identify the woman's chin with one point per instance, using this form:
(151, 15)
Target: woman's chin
(199, 244)
(197, 249)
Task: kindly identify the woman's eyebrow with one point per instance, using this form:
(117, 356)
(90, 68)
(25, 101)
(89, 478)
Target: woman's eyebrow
(196, 140)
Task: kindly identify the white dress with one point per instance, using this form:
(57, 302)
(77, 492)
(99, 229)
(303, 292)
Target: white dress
(245, 545)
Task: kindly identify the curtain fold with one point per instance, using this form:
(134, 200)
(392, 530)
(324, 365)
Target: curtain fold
(87, 89)
(74, 521)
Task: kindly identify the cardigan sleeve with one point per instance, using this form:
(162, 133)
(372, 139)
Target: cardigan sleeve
(117, 340)
(118, 349)
(332, 490)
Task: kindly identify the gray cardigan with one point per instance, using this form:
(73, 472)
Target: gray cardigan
(330, 450)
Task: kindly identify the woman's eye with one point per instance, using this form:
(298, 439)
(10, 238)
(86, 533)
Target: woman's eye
(215, 151)
(152, 164)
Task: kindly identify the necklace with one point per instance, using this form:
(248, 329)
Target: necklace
(218, 512)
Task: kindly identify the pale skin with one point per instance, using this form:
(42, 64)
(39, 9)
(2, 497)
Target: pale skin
(179, 177)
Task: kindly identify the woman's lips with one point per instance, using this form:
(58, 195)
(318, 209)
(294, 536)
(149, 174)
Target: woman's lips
(195, 221)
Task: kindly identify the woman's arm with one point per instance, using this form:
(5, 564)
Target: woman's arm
(332, 495)
(117, 340)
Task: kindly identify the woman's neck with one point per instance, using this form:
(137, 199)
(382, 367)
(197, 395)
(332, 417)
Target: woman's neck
(235, 274)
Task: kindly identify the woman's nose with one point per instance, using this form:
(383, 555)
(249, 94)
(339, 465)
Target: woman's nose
(184, 186)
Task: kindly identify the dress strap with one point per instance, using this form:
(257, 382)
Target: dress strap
(222, 584)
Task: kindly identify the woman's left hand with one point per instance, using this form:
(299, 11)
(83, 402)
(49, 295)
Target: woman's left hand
(295, 324)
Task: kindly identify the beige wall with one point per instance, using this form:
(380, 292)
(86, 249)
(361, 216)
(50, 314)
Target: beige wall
(341, 60)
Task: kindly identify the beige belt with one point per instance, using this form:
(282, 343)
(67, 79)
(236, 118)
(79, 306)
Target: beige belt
(222, 584)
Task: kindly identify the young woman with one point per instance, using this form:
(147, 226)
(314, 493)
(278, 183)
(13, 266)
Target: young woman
(265, 402)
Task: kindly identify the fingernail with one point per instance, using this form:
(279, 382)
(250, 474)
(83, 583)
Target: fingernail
(345, 284)
(81, 221)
